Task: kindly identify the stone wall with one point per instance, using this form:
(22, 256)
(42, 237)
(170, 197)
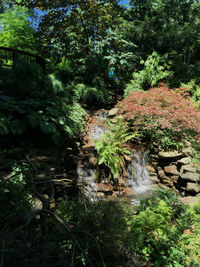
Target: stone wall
(175, 169)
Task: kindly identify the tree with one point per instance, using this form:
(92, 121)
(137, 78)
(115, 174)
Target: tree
(16, 30)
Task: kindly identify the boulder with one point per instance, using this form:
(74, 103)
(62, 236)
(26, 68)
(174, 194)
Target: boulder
(193, 188)
(172, 169)
(184, 161)
(190, 176)
(170, 154)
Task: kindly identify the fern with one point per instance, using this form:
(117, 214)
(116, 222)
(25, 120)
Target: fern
(110, 148)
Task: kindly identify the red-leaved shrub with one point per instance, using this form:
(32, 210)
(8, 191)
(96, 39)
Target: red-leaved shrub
(164, 110)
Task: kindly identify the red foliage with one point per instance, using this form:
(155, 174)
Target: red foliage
(161, 107)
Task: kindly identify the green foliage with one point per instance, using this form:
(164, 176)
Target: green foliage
(110, 148)
(52, 117)
(90, 95)
(155, 70)
(193, 88)
(158, 228)
(14, 204)
(16, 30)
(98, 228)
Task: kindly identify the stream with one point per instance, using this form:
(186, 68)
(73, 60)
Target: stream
(137, 181)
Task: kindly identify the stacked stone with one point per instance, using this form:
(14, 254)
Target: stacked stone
(175, 169)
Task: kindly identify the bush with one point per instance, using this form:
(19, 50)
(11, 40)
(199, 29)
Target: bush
(155, 70)
(91, 95)
(163, 116)
(156, 231)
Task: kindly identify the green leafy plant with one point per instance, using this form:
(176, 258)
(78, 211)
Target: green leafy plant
(193, 88)
(90, 95)
(110, 148)
(155, 70)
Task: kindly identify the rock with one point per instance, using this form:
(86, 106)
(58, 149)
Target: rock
(184, 161)
(167, 182)
(36, 204)
(187, 151)
(163, 186)
(171, 170)
(104, 188)
(193, 188)
(93, 160)
(150, 169)
(128, 191)
(162, 175)
(169, 154)
(190, 176)
(100, 194)
(188, 168)
(113, 112)
(175, 178)
(189, 200)
(154, 179)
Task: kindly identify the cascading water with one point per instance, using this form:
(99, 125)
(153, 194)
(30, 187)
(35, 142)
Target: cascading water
(137, 175)
(137, 179)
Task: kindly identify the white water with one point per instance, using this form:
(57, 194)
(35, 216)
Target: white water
(138, 176)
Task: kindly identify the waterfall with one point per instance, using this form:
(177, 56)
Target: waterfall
(138, 180)
(137, 175)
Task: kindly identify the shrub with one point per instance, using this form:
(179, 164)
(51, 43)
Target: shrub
(164, 117)
(156, 231)
(193, 89)
(90, 95)
(53, 117)
(155, 70)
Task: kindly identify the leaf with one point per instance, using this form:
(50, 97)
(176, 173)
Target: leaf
(68, 131)
(47, 127)
(34, 119)
(18, 127)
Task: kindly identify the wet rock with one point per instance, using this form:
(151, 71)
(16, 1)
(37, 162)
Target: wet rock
(172, 169)
(190, 176)
(184, 161)
(113, 112)
(154, 179)
(150, 169)
(193, 188)
(128, 191)
(104, 188)
(169, 154)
